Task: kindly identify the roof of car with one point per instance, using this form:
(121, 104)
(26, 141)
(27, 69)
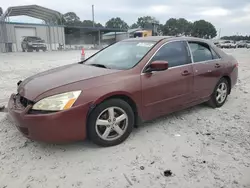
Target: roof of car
(169, 38)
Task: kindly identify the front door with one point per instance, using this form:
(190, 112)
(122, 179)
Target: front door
(166, 91)
(208, 69)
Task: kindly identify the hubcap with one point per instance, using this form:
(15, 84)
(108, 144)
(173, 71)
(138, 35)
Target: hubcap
(112, 123)
(221, 93)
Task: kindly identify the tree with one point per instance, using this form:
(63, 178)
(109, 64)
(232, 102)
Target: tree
(236, 37)
(1, 11)
(170, 27)
(89, 23)
(146, 21)
(203, 29)
(176, 27)
(116, 23)
(184, 27)
(71, 19)
(98, 25)
(134, 26)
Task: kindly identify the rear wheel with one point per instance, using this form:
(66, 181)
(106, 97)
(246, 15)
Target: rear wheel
(220, 94)
(37, 50)
(110, 123)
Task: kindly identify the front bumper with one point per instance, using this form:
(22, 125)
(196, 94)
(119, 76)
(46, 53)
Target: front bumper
(58, 127)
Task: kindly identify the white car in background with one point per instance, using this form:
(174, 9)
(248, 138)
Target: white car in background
(228, 44)
(248, 44)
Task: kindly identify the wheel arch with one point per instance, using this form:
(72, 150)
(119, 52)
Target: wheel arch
(229, 82)
(123, 96)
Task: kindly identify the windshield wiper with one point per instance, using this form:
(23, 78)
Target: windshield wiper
(99, 65)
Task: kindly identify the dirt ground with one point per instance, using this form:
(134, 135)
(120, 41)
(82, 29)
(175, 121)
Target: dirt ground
(201, 146)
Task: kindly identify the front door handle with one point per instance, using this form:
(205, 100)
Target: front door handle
(217, 65)
(185, 73)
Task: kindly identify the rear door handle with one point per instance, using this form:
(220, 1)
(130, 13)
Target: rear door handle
(185, 73)
(217, 65)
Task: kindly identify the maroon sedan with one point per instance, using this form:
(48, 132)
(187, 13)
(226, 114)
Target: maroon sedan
(127, 83)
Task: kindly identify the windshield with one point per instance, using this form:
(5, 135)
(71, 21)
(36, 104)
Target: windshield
(121, 55)
(33, 38)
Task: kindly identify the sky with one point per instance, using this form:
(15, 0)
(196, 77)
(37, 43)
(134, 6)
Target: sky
(232, 17)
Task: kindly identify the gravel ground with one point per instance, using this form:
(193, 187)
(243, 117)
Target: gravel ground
(202, 147)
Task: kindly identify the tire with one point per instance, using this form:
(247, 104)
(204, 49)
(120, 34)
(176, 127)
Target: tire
(214, 101)
(44, 49)
(96, 132)
(37, 50)
(23, 50)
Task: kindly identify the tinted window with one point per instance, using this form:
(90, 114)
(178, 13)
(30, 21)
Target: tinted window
(175, 53)
(200, 51)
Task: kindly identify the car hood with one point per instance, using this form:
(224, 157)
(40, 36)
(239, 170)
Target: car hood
(40, 83)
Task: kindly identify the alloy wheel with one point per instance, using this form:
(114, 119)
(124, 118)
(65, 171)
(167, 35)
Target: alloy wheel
(111, 124)
(221, 92)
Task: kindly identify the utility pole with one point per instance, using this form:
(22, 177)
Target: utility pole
(93, 15)
(219, 33)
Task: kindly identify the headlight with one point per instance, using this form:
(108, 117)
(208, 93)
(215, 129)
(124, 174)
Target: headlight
(57, 102)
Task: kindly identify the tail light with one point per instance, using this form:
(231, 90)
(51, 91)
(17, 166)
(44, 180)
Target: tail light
(236, 64)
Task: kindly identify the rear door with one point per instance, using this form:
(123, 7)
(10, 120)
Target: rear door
(208, 69)
(166, 91)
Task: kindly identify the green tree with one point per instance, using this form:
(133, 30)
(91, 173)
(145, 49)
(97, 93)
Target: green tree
(176, 27)
(236, 37)
(170, 27)
(89, 23)
(71, 19)
(134, 26)
(146, 21)
(116, 23)
(203, 29)
(98, 25)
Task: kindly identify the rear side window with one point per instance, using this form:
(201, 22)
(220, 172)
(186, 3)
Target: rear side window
(175, 53)
(201, 52)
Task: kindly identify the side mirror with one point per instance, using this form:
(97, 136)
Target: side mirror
(157, 66)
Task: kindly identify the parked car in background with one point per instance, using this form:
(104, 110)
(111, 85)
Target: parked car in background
(227, 44)
(241, 44)
(217, 44)
(129, 82)
(248, 44)
(30, 44)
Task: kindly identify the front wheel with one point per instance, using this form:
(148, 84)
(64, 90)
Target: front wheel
(220, 94)
(110, 123)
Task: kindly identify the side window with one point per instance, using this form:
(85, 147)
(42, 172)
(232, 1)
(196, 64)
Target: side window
(201, 52)
(175, 53)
